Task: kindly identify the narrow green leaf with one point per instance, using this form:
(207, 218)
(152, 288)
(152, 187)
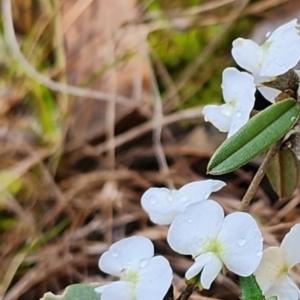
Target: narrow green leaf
(283, 172)
(80, 291)
(250, 289)
(257, 135)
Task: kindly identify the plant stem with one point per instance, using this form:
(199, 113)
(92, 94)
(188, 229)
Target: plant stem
(258, 177)
(187, 292)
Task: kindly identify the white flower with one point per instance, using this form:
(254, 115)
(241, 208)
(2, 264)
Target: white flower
(213, 241)
(163, 204)
(278, 54)
(142, 276)
(272, 273)
(238, 92)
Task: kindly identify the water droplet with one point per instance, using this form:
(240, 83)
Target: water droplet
(190, 220)
(241, 242)
(129, 263)
(238, 114)
(152, 200)
(259, 253)
(114, 253)
(143, 263)
(293, 119)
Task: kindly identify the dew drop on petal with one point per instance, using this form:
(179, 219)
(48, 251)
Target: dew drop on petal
(238, 114)
(114, 253)
(259, 253)
(129, 263)
(190, 220)
(241, 242)
(143, 263)
(152, 200)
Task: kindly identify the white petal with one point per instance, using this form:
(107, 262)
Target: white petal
(291, 246)
(282, 50)
(285, 31)
(284, 289)
(197, 191)
(245, 54)
(100, 288)
(154, 279)
(269, 93)
(236, 84)
(210, 271)
(190, 229)
(159, 204)
(219, 115)
(271, 268)
(242, 242)
(126, 253)
(209, 264)
(118, 290)
(198, 265)
(238, 89)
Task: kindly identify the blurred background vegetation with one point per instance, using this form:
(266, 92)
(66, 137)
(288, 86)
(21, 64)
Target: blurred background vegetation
(97, 100)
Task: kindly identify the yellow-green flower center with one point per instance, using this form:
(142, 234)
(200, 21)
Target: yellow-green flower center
(130, 275)
(214, 246)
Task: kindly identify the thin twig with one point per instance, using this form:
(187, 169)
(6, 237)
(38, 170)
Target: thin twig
(13, 45)
(193, 67)
(258, 177)
(141, 129)
(187, 292)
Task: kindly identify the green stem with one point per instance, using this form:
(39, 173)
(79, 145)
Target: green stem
(187, 292)
(254, 185)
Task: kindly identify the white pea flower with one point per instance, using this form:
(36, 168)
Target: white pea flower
(142, 276)
(278, 54)
(272, 273)
(163, 204)
(238, 93)
(214, 241)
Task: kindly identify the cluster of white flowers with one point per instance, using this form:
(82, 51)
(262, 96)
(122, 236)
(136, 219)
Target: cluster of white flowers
(198, 225)
(278, 54)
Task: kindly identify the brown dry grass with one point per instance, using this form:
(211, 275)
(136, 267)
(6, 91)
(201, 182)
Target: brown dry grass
(69, 201)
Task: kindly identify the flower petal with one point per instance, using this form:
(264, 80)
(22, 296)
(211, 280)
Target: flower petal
(118, 290)
(269, 93)
(236, 84)
(189, 230)
(282, 50)
(291, 245)
(126, 253)
(271, 268)
(211, 271)
(159, 204)
(209, 264)
(245, 54)
(197, 191)
(242, 242)
(197, 266)
(284, 289)
(154, 279)
(219, 115)
(283, 31)
(238, 89)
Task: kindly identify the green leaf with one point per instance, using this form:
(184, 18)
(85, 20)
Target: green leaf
(80, 291)
(250, 289)
(283, 172)
(257, 135)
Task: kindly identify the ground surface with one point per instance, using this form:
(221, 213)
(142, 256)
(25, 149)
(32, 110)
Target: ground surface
(74, 165)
